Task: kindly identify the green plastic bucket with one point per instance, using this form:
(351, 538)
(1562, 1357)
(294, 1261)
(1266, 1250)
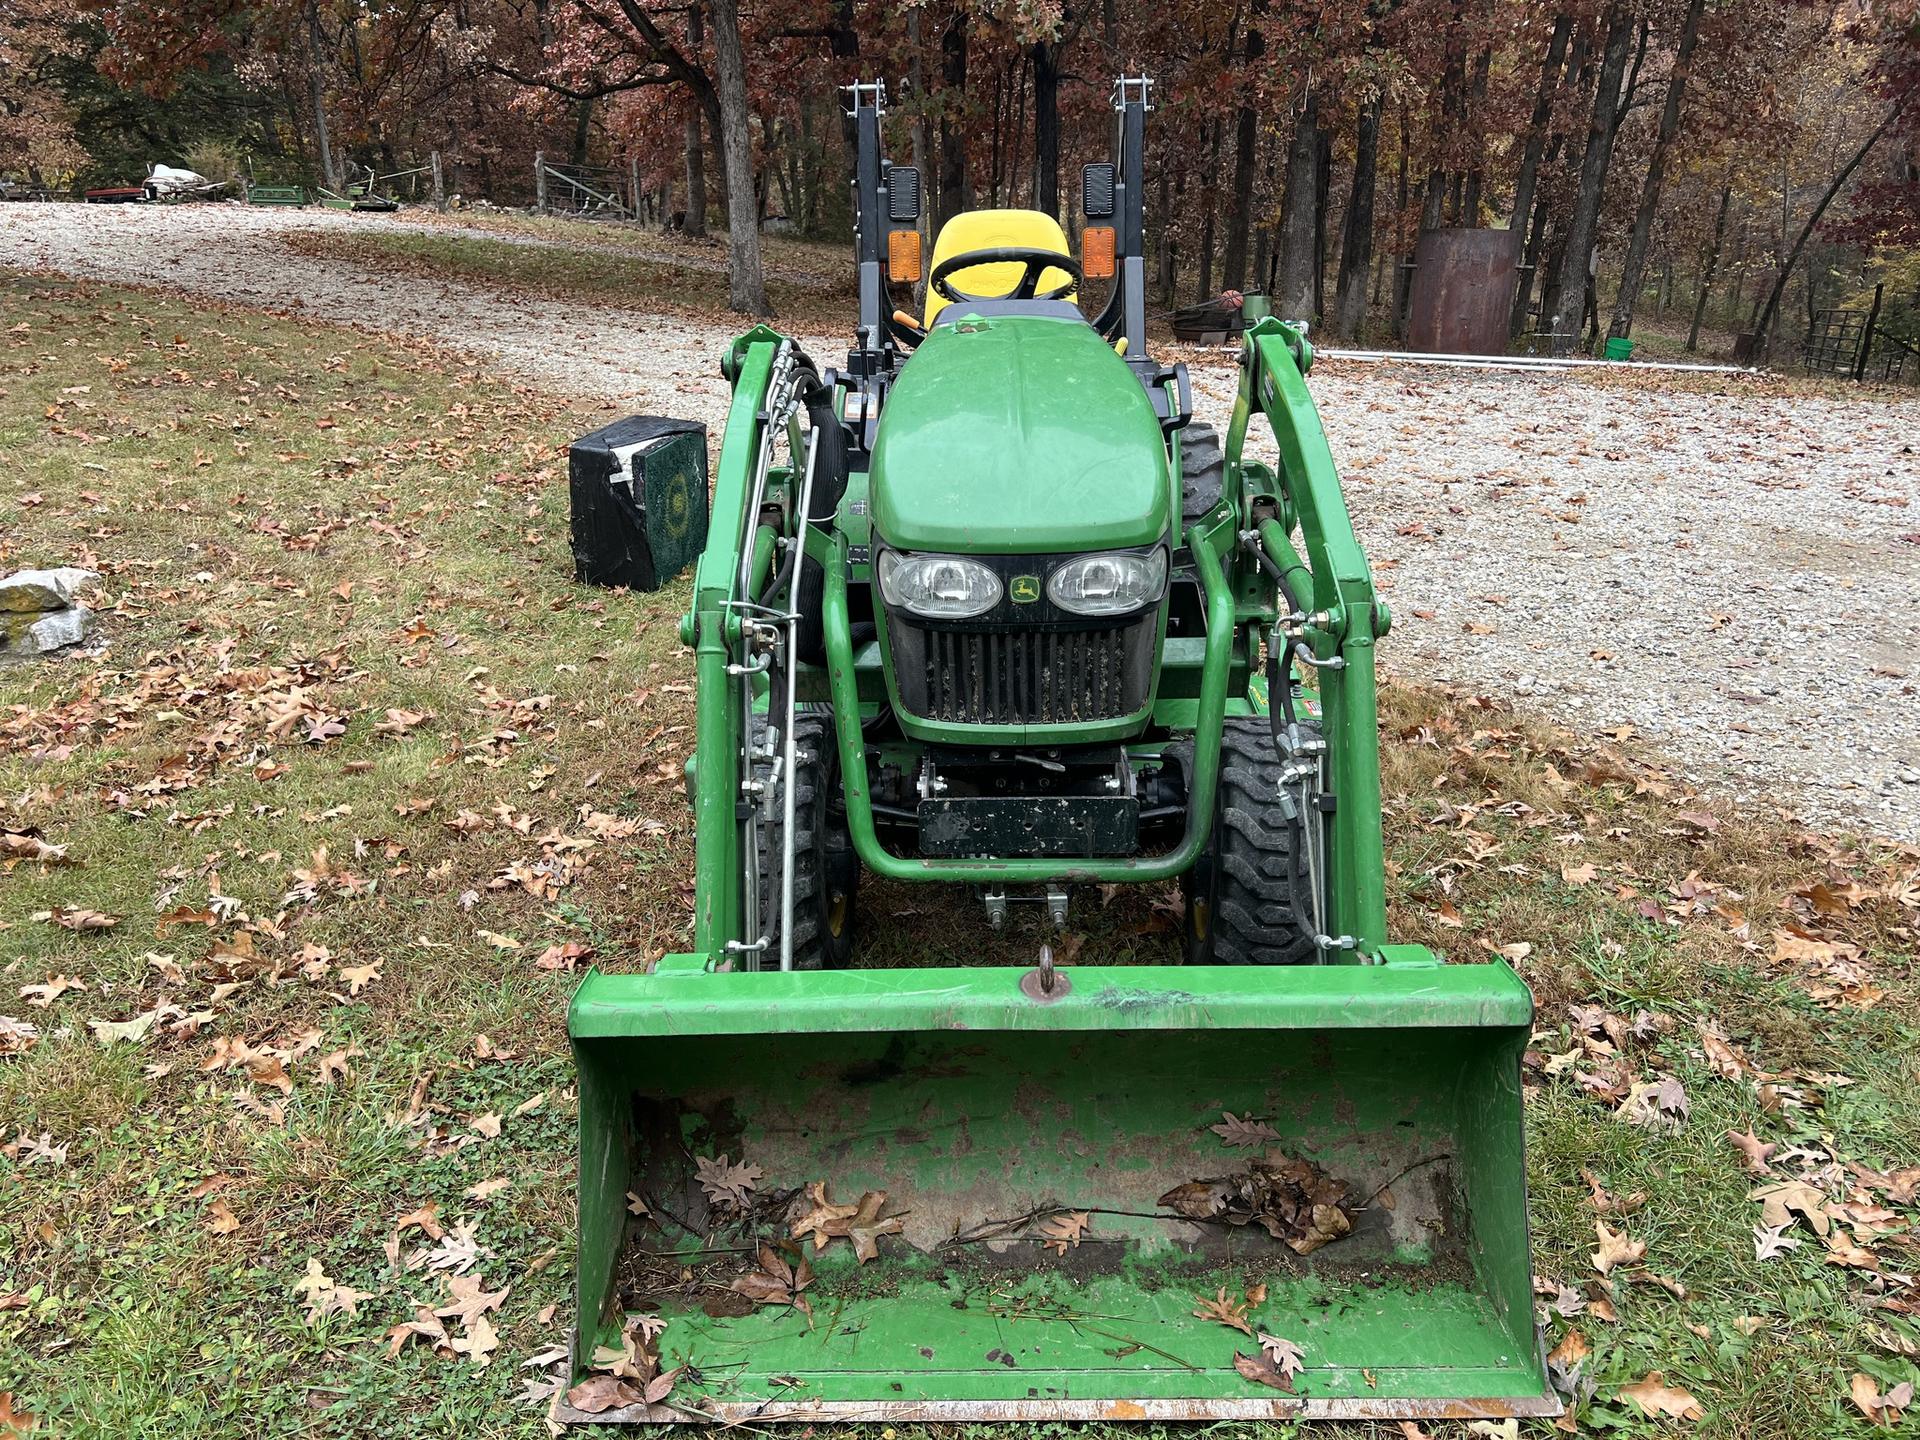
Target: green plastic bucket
(1619, 348)
(985, 1108)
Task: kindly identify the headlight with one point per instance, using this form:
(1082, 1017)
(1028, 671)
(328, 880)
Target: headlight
(1108, 584)
(940, 587)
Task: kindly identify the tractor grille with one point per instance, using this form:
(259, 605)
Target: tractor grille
(1023, 677)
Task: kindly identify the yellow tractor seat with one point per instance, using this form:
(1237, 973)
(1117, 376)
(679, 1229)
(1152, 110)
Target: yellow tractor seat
(996, 230)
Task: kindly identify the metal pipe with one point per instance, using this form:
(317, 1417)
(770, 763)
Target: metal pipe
(1208, 722)
(1527, 362)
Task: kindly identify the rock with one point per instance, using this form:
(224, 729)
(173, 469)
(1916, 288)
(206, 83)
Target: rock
(1910, 777)
(55, 630)
(43, 589)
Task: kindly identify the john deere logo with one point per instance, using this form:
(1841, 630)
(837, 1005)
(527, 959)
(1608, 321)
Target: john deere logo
(1024, 589)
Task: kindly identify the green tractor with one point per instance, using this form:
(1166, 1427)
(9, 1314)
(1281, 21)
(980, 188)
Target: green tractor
(986, 608)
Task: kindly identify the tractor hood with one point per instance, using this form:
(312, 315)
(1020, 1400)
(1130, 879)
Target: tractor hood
(1018, 434)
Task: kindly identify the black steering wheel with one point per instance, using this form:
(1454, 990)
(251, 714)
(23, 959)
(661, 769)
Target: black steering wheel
(1036, 262)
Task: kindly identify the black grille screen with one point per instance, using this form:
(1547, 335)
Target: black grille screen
(1023, 677)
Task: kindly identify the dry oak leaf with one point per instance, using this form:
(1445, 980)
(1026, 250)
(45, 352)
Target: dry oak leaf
(598, 1394)
(1882, 1410)
(425, 1219)
(826, 1220)
(220, 1218)
(358, 977)
(1571, 1350)
(1284, 1354)
(478, 1344)
(15, 1423)
(1779, 1202)
(1224, 1311)
(423, 1326)
(1061, 1231)
(1241, 1131)
(1656, 1398)
(324, 1296)
(1262, 1371)
(1756, 1150)
(1616, 1249)
(471, 1299)
(68, 918)
(727, 1182)
(776, 1282)
(866, 1227)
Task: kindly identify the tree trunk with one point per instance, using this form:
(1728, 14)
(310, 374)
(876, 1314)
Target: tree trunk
(1213, 205)
(582, 132)
(1765, 322)
(317, 94)
(1593, 175)
(1168, 242)
(1246, 142)
(696, 224)
(1293, 284)
(1356, 236)
(746, 281)
(953, 196)
(1046, 128)
(1322, 209)
(1403, 272)
(1633, 269)
(1529, 177)
(1475, 105)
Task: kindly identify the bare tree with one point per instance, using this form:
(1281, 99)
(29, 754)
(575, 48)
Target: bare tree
(746, 277)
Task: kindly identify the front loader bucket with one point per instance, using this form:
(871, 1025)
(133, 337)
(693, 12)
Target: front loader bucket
(995, 1115)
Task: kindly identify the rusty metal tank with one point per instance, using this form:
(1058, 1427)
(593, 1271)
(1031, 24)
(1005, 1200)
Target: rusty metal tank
(1463, 291)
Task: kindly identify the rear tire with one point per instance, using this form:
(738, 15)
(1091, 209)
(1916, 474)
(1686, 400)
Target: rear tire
(1240, 892)
(825, 869)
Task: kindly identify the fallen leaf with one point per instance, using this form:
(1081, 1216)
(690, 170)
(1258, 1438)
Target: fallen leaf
(1756, 1150)
(1780, 1202)
(726, 1182)
(1770, 1242)
(1262, 1371)
(15, 1423)
(358, 977)
(478, 1344)
(1615, 1249)
(1061, 1231)
(598, 1394)
(1882, 1410)
(1242, 1131)
(1224, 1310)
(74, 919)
(220, 1218)
(825, 1220)
(1656, 1398)
(425, 1219)
(1283, 1354)
(1571, 1350)
(776, 1282)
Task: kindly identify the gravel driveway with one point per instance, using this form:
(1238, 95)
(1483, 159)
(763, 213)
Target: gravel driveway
(1735, 575)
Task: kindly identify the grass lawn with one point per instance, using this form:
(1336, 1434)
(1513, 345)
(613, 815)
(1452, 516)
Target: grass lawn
(361, 773)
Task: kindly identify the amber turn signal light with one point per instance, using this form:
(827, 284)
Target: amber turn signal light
(903, 255)
(1096, 252)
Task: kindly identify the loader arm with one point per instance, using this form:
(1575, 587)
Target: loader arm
(1343, 619)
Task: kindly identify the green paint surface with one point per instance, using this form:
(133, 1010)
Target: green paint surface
(1018, 436)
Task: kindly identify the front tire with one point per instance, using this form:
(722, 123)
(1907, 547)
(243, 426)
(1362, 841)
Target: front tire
(825, 868)
(1241, 893)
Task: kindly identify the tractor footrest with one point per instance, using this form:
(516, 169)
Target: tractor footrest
(1075, 825)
